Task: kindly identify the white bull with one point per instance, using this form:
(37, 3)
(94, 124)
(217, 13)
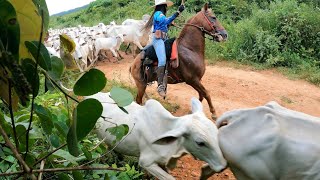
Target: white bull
(269, 142)
(158, 138)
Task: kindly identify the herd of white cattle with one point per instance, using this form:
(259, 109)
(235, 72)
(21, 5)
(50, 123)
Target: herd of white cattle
(266, 142)
(90, 41)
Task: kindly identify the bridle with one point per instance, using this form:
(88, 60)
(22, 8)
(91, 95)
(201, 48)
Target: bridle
(213, 33)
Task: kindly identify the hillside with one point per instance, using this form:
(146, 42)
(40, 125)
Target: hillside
(70, 11)
(281, 34)
(103, 11)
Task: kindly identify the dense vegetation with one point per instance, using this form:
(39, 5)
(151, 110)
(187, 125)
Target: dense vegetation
(283, 33)
(41, 126)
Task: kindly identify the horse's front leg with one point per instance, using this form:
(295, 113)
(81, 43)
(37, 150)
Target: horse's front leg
(204, 93)
(140, 94)
(200, 97)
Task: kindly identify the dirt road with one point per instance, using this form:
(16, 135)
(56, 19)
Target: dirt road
(229, 88)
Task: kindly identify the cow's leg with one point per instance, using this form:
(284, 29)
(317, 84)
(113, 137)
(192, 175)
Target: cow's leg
(114, 53)
(127, 48)
(119, 54)
(158, 172)
(133, 50)
(137, 43)
(204, 93)
(96, 56)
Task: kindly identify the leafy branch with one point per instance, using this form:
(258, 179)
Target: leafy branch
(16, 153)
(61, 170)
(33, 89)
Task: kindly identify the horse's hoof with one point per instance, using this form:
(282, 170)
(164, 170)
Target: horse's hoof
(214, 117)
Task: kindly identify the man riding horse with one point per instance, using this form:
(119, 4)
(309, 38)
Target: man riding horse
(160, 28)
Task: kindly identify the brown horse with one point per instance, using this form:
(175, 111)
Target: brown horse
(191, 47)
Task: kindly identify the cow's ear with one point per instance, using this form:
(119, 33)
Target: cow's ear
(170, 136)
(196, 105)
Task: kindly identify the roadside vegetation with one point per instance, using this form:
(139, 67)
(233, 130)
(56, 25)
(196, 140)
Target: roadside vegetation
(282, 34)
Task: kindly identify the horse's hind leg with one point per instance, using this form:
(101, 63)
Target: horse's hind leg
(203, 93)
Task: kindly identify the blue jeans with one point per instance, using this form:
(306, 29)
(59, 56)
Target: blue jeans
(159, 47)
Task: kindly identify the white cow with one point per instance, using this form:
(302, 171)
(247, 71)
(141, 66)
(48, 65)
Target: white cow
(158, 138)
(110, 43)
(53, 52)
(269, 142)
(133, 33)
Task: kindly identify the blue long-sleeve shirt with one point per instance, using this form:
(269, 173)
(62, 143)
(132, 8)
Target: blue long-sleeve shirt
(161, 22)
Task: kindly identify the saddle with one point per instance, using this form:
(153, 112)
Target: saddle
(151, 58)
(150, 62)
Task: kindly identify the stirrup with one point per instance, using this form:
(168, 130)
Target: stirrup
(162, 90)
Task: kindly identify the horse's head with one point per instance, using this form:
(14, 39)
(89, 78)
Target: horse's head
(210, 24)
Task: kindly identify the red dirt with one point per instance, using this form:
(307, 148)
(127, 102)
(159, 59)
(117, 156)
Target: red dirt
(230, 89)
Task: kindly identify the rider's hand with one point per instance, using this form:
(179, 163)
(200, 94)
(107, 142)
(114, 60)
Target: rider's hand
(181, 8)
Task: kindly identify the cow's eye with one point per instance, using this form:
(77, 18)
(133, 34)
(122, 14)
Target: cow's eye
(201, 144)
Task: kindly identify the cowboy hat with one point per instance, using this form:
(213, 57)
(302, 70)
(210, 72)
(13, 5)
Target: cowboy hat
(159, 2)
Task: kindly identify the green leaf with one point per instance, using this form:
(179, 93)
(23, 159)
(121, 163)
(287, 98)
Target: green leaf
(10, 159)
(29, 70)
(62, 128)
(121, 96)
(42, 5)
(86, 153)
(9, 28)
(88, 112)
(67, 47)
(45, 118)
(90, 83)
(54, 139)
(30, 159)
(21, 133)
(30, 23)
(106, 177)
(72, 140)
(65, 155)
(63, 177)
(119, 131)
(96, 176)
(57, 68)
(5, 125)
(44, 57)
(77, 175)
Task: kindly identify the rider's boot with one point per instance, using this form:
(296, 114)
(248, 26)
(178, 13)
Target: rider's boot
(161, 86)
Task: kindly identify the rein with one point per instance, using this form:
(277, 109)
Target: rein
(201, 29)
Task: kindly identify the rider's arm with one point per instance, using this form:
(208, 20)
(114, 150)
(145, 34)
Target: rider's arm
(160, 17)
